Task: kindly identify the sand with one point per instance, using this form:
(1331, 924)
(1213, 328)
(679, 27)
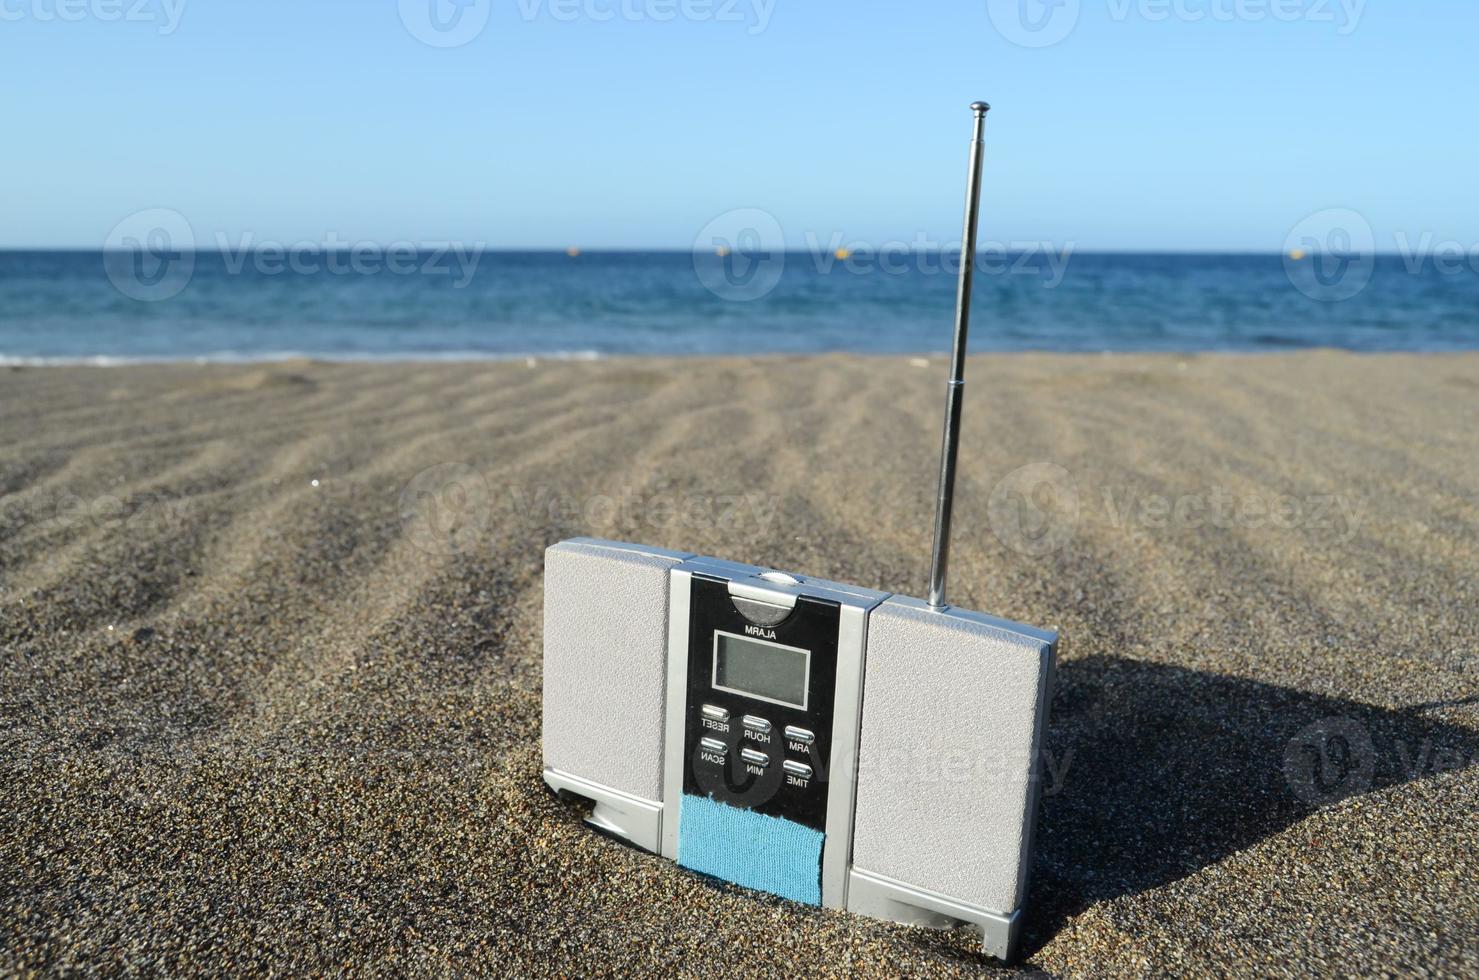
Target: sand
(263, 709)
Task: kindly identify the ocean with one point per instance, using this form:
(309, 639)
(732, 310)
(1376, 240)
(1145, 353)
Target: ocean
(121, 307)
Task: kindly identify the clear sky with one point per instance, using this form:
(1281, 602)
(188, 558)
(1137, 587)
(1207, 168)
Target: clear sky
(1149, 124)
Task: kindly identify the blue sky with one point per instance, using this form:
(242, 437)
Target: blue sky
(1149, 124)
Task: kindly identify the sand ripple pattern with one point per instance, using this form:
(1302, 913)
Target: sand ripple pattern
(256, 715)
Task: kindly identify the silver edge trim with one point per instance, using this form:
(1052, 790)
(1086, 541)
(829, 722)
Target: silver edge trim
(679, 593)
(1034, 772)
(632, 818)
(627, 546)
(769, 594)
(749, 576)
(1033, 633)
(881, 897)
(842, 768)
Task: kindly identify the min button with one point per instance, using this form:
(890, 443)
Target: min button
(754, 758)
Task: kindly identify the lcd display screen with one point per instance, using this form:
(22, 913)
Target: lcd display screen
(768, 671)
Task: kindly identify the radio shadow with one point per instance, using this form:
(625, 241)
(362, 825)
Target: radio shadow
(1156, 772)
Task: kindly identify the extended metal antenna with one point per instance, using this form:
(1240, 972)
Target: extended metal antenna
(956, 385)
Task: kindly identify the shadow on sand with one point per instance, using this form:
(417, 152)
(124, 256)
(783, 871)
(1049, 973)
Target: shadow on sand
(1156, 772)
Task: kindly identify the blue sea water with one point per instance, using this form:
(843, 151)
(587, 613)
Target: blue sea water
(96, 307)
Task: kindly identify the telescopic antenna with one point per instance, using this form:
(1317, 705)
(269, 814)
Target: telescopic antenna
(955, 387)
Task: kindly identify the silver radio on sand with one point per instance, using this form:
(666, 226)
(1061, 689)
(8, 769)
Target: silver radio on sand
(831, 744)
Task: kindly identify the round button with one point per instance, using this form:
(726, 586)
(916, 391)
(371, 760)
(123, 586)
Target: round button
(780, 578)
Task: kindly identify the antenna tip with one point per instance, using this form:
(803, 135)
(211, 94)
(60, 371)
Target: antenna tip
(980, 108)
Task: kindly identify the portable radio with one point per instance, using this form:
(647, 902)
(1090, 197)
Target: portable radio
(830, 744)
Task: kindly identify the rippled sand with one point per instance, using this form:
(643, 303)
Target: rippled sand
(269, 696)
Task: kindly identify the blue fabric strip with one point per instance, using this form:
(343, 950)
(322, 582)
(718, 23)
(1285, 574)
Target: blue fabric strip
(750, 849)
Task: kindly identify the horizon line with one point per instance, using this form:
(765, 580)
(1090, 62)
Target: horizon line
(579, 250)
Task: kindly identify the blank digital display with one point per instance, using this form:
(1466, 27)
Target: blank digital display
(757, 669)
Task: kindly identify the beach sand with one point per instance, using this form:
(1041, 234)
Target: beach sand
(264, 708)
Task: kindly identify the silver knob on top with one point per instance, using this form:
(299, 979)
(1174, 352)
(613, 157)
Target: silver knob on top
(955, 387)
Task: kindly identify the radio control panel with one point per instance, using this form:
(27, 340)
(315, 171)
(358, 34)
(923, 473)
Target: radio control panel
(761, 686)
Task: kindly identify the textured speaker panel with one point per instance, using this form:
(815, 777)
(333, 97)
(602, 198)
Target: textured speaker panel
(605, 664)
(952, 703)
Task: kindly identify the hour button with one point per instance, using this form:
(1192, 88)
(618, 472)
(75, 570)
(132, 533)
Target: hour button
(755, 724)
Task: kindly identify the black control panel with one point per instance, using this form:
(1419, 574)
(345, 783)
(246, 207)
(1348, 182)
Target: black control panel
(759, 703)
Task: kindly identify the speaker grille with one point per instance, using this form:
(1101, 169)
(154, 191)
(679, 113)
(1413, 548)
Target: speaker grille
(951, 710)
(605, 656)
